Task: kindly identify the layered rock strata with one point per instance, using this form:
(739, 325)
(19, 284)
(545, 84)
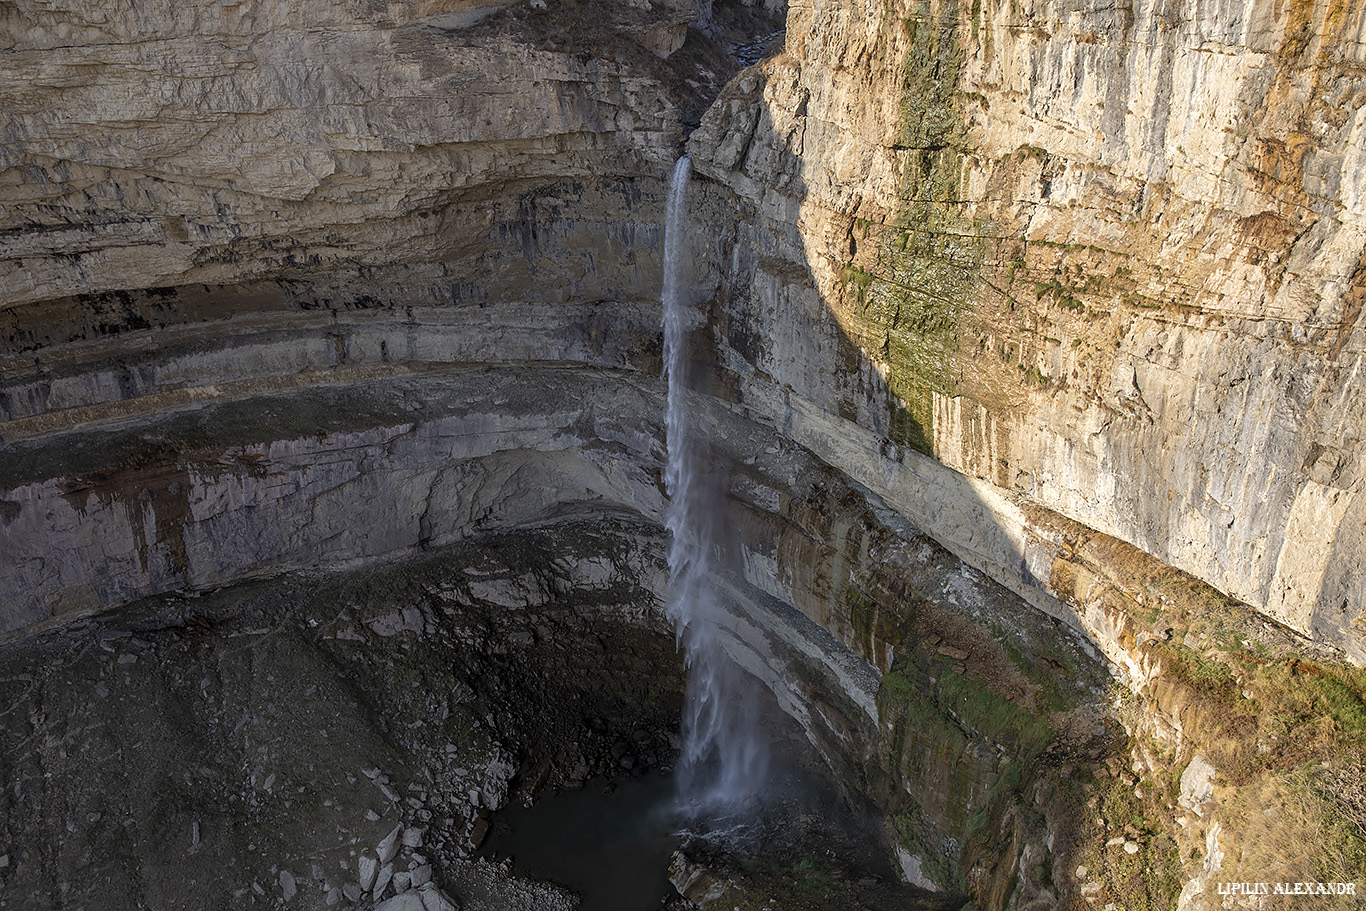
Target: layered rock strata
(220, 143)
(1069, 318)
(282, 297)
(829, 588)
(1100, 261)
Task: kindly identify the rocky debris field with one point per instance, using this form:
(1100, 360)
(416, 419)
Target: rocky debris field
(314, 741)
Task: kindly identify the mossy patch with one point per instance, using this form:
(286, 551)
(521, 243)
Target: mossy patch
(1007, 784)
(814, 883)
(906, 299)
(938, 865)
(987, 725)
(1001, 721)
(875, 630)
(1281, 720)
(1252, 709)
(1291, 823)
(1047, 672)
(945, 733)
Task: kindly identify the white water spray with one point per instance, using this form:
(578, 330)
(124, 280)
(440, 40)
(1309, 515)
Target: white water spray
(724, 758)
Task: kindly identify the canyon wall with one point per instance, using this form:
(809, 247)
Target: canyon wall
(1049, 304)
(1077, 290)
(225, 202)
(981, 234)
(1103, 261)
(403, 150)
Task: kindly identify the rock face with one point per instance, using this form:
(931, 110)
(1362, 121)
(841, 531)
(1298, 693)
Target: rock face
(465, 458)
(1008, 305)
(278, 200)
(1068, 317)
(1104, 260)
(223, 142)
(264, 744)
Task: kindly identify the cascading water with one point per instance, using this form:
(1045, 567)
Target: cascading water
(724, 758)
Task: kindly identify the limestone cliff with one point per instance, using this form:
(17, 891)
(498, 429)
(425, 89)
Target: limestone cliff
(218, 143)
(1073, 286)
(1071, 289)
(1106, 260)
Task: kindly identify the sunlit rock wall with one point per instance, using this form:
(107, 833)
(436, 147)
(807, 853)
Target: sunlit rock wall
(1101, 260)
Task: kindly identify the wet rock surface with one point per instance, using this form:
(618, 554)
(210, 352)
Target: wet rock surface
(799, 847)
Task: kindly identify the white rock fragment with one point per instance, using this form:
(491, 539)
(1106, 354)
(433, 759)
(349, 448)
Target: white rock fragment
(433, 899)
(287, 886)
(1197, 784)
(408, 901)
(421, 876)
(409, 620)
(388, 845)
(368, 868)
(386, 874)
(402, 881)
(412, 838)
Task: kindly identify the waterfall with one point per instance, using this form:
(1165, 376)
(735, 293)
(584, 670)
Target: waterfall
(724, 756)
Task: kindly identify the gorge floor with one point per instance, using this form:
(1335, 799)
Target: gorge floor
(342, 740)
(264, 741)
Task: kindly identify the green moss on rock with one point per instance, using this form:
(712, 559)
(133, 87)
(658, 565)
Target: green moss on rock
(908, 302)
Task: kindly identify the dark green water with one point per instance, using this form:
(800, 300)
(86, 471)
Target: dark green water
(611, 849)
(800, 845)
